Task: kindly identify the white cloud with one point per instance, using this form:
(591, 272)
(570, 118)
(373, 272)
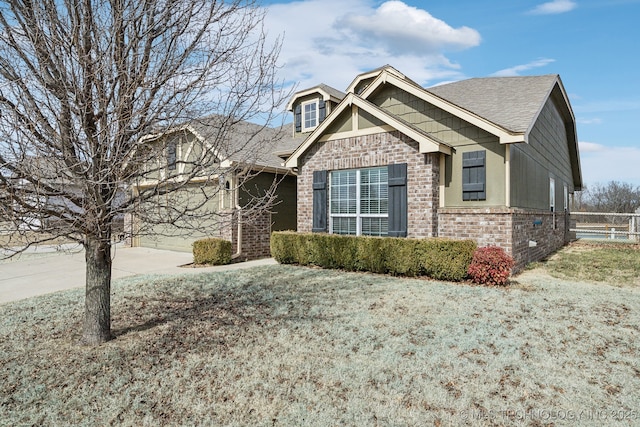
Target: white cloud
(604, 163)
(346, 38)
(554, 7)
(590, 147)
(516, 70)
(594, 121)
(404, 29)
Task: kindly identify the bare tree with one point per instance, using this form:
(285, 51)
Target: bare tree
(89, 89)
(620, 197)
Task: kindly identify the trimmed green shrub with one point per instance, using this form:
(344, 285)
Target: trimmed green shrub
(490, 265)
(446, 259)
(441, 259)
(371, 254)
(289, 247)
(212, 251)
(401, 257)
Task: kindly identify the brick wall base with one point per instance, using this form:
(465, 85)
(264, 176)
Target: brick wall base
(510, 229)
(256, 236)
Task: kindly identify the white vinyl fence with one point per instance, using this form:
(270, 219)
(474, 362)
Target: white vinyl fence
(606, 225)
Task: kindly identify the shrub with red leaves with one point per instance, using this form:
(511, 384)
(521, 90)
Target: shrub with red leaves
(490, 266)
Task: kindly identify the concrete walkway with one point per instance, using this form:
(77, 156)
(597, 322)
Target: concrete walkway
(46, 269)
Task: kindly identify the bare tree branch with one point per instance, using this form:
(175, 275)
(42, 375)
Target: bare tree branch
(92, 95)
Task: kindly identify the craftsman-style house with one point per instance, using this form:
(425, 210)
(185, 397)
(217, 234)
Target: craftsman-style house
(490, 159)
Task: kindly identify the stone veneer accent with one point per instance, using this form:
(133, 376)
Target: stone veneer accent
(378, 149)
(508, 228)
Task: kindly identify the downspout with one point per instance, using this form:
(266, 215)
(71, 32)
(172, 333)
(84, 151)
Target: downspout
(507, 175)
(239, 237)
(238, 209)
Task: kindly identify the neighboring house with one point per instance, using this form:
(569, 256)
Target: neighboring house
(50, 197)
(225, 196)
(490, 159)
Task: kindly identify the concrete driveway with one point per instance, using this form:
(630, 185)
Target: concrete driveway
(45, 270)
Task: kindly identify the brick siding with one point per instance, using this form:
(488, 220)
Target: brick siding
(510, 229)
(256, 236)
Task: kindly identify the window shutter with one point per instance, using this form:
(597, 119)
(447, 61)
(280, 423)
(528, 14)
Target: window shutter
(319, 201)
(397, 183)
(171, 155)
(298, 118)
(474, 175)
(322, 111)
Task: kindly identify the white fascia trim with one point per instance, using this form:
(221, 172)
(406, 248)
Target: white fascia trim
(374, 73)
(386, 77)
(325, 96)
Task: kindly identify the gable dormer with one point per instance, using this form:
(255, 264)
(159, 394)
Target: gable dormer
(311, 106)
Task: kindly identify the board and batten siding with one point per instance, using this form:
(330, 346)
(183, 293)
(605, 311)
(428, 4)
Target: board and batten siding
(439, 123)
(463, 136)
(545, 156)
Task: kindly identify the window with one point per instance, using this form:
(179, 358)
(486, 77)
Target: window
(358, 201)
(226, 194)
(474, 176)
(566, 198)
(309, 115)
(552, 194)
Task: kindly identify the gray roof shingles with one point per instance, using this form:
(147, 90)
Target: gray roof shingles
(510, 102)
(247, 142)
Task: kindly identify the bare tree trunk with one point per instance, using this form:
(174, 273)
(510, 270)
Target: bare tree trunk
(94, 95)
(97, 314)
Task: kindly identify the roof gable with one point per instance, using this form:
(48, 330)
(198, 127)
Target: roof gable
(384, 77)
(507, 107)
(427, 143)
(238, 142)
(325, 91)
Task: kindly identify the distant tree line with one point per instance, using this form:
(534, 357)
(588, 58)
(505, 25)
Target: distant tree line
(615, 196)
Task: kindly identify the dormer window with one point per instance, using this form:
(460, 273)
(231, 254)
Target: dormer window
(309, 115)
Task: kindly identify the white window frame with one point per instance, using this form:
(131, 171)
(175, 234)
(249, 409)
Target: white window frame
(304, 105)
(358, 215)
(226, 194)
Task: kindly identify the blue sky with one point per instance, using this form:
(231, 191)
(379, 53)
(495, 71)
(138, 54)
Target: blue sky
(593, 44)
